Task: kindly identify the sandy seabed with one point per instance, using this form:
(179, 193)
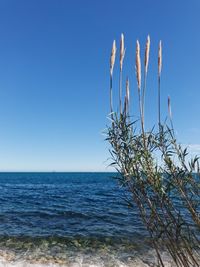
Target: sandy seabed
(8, 259)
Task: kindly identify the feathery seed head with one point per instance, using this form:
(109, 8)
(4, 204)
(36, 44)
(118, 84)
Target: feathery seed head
(147, 50)
(138, 65)
(160, 58)
(122, 51)
(112, 57)
(169, 107)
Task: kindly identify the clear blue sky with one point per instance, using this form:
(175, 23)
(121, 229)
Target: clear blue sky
(54, 76)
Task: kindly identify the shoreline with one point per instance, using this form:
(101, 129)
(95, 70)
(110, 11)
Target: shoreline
(79, 258)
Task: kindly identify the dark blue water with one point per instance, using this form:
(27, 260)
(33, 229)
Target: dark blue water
(57, 213)
(73, 219)
(65, 205)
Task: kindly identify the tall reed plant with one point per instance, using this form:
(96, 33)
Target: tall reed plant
(155, 169)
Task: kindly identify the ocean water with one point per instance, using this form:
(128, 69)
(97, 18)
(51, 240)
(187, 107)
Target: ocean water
(69, 219)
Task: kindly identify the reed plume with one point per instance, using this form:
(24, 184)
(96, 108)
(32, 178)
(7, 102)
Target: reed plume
(122, 51)
(147, 50)
(122, 54)
(160, 58)
(138, 76)
(112, 63)
(146, 63)
(159, 74)
(138, 65)
(112, 57)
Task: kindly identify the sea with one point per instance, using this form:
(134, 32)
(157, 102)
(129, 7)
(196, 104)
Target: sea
(69, 219)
